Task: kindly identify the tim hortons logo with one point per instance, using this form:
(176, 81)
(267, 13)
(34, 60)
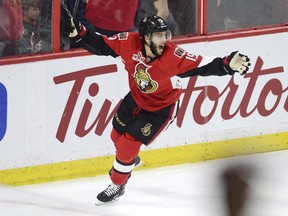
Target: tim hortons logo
(272, 88)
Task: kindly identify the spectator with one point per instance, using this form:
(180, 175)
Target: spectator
(111, 17)
(185, 16)
(31, 41)
(247, 14)
(215, 15)
(11, 26)
(158, 7)
(45, 21)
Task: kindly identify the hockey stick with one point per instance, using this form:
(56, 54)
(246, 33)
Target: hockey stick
(69, 14)
(75, 9)
(65, 7)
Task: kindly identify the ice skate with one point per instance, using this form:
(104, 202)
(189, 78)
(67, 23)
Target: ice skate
(111, 194)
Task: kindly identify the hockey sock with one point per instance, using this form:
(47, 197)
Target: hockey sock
(127, 148)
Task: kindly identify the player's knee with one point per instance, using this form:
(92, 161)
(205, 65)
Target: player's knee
(114, 135)
(127, 148)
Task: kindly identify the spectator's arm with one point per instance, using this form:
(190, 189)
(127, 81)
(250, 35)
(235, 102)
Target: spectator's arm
(162, 8)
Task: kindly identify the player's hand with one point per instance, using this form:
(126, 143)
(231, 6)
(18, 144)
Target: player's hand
(236, 62)
(74, 29)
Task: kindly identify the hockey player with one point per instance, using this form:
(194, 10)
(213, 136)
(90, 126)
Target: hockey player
(154, 65)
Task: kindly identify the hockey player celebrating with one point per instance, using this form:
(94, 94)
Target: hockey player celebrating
(154, 65)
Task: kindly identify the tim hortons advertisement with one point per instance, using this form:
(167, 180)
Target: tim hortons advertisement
(61, 110)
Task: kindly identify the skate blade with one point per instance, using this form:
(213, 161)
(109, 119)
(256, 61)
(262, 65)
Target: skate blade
(99, 203)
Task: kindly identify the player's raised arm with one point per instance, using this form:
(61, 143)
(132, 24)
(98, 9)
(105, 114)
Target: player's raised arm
(92, 41)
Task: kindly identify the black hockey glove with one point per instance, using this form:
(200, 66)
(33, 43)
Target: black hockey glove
(236, 62)
(74, 29)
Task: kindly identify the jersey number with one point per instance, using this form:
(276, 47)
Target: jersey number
(191, 57)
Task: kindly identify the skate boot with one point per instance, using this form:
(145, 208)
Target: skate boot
(111, 194)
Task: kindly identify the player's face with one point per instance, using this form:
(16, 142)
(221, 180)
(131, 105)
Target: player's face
(157, 42)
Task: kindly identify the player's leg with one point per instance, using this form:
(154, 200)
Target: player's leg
(143, 127)
(114, 137)
(127, 149)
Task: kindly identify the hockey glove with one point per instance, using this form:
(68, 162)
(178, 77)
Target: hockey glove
(75, 30)
(236, 62)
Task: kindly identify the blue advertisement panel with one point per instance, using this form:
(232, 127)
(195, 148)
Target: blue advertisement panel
(3, 110)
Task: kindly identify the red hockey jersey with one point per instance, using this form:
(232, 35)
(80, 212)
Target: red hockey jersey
(153, 85)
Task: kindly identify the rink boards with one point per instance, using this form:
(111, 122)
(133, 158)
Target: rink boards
(56, 114)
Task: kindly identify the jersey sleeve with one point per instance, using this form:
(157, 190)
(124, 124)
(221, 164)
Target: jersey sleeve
(215, 68)
(119, 43)
(189, 65)
(95, 43)
(181, 61)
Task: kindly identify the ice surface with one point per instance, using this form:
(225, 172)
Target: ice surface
(189, 189)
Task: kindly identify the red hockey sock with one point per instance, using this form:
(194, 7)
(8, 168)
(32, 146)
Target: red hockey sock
(127, 148)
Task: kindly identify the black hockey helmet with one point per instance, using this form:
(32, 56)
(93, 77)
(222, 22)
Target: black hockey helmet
(151, 24)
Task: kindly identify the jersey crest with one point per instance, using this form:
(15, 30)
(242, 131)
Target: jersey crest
(146, 130)
(143, 79)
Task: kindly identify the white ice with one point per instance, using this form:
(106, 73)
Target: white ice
(189, 189)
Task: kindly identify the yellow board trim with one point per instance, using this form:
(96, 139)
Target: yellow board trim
(152, 158)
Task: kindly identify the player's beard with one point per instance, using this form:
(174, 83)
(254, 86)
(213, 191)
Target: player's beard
(153, 48)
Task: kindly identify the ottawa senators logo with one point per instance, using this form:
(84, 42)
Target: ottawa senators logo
(143, 79)
(146, 130)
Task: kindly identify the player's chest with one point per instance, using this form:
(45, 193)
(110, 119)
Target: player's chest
(140, 66)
